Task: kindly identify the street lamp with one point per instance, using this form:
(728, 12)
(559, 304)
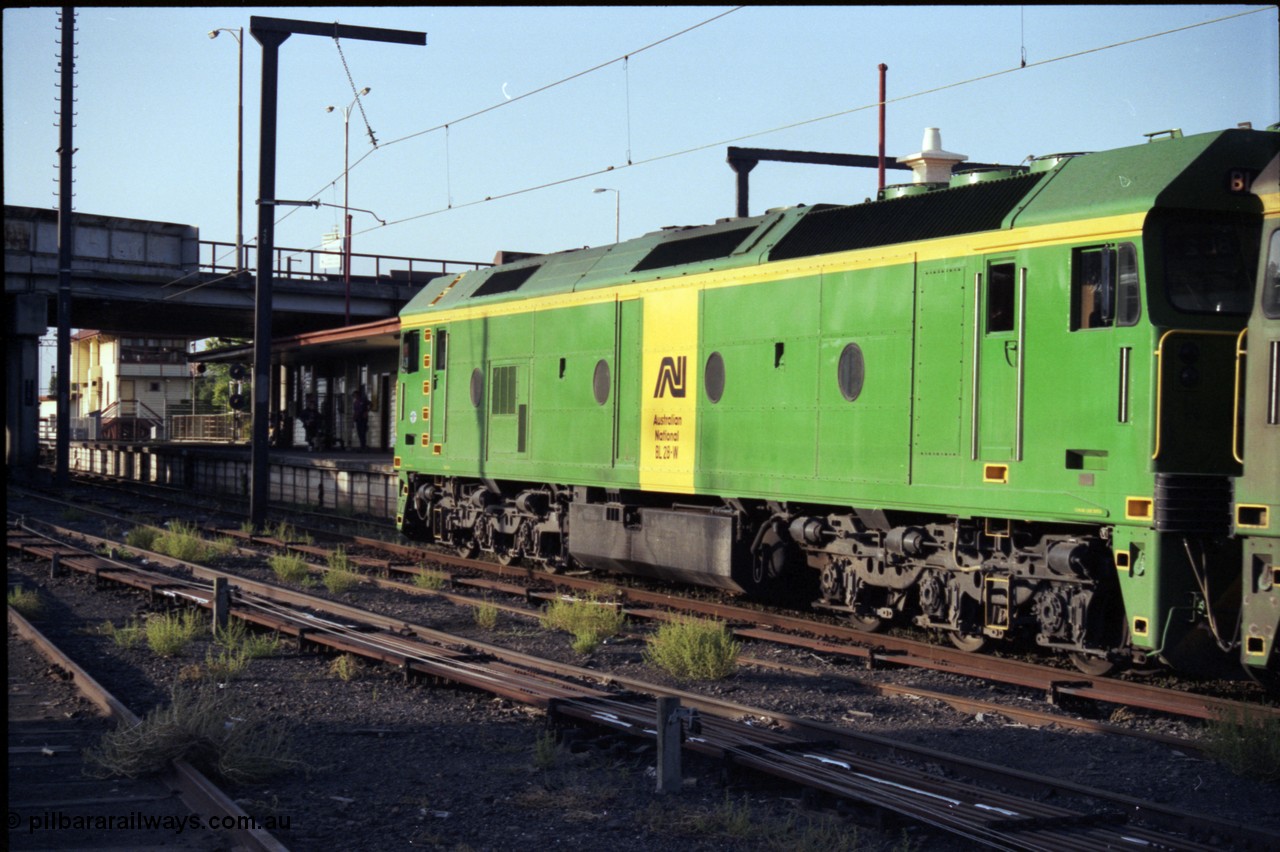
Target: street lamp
(346, 193)
(238, 35)
(617, 211)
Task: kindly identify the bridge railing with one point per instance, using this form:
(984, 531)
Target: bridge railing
(322, 265)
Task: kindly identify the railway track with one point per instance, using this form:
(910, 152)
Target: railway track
(870, 771)
(55, 803)
(758, 625)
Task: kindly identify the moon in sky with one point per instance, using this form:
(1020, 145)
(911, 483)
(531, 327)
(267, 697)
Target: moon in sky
(504, 92)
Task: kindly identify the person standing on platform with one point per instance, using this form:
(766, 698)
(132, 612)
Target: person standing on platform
(360, 414)
(310, 418)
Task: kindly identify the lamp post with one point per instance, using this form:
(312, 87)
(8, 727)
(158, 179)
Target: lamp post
(346, 195)
(238, 35)
(617, 211)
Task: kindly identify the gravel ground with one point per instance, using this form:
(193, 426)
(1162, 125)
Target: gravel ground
(395, 765)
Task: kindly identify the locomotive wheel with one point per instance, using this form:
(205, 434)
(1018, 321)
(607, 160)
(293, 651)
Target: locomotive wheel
(969, 642)
(866, 623)
(506, 556)
(1091, 665)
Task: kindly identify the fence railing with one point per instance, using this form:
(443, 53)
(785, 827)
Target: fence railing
(326, 265)
(213, 428)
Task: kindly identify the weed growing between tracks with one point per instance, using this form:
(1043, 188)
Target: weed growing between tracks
(291, 568)
(26, 601)
(590, 620)
(130, 635)
(204, 726)
(738, 822)
(183, 541)
(169, 634)
(340, 577)
(427, 578)
(345, 667)
(486, 615)
(694, 649)
(1248, 745)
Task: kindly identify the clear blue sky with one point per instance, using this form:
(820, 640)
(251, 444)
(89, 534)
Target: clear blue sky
(156, 124)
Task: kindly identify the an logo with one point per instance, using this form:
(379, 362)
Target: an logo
(671, 376)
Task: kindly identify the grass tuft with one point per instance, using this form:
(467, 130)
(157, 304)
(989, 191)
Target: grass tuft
(168, 634)
(1248, 745)
(589, 620)
(130, 635)
(26, 601)
(345, 667)
(694, 649)
(143, 538)
(429, 579)
(291, 568)
(486, 615)
(204, 726)
(183, 541)
(341, 576)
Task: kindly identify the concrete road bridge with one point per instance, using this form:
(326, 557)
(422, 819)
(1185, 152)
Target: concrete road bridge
(161, 279)
(157, 277)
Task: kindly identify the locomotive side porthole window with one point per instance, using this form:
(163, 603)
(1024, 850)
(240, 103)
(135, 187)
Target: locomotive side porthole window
(477, 387)
(600, 382)
(713, 380)
(851, 372)
(1000, 298)
(1104, 287)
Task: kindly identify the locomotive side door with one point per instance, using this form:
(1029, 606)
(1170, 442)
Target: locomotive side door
(999, 355)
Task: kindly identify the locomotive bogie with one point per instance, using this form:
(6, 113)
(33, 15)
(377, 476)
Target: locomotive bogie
(1001, 410)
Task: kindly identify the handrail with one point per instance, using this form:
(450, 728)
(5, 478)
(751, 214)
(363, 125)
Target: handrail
(383, 265)
(1236, 450)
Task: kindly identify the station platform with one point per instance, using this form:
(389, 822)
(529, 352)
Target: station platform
(355, 482)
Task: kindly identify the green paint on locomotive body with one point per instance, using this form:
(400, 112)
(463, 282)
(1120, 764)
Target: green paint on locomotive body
(1257, 493)
(987, 389)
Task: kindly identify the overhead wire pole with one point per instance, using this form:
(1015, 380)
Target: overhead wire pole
(62, 447)
(271, 33)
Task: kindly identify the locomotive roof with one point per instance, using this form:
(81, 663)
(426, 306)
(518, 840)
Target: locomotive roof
(1174, 172)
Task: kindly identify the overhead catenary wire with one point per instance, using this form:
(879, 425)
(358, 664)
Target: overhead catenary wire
(828, 117)
(630, 163)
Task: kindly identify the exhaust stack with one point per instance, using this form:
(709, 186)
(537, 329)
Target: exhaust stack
(932, 164)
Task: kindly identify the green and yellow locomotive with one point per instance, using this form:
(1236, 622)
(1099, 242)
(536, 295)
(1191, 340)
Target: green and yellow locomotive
(1257, 515)
(1000, 406)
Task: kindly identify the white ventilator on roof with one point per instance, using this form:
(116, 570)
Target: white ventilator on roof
(932, 164)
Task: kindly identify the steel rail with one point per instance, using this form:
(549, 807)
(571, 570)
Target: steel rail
(875, 649)
(883, 649)
(1245, 837)
(197, 792)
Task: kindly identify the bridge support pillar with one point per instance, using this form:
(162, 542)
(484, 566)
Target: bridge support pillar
(28, 315)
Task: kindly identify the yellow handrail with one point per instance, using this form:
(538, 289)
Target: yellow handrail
(1236, 450)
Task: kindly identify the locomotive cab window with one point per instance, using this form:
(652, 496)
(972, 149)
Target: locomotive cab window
(1104, 287)
(442, 349)
(409, 352)
(1210, 263)
(1271, 279)
(1000, 298)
